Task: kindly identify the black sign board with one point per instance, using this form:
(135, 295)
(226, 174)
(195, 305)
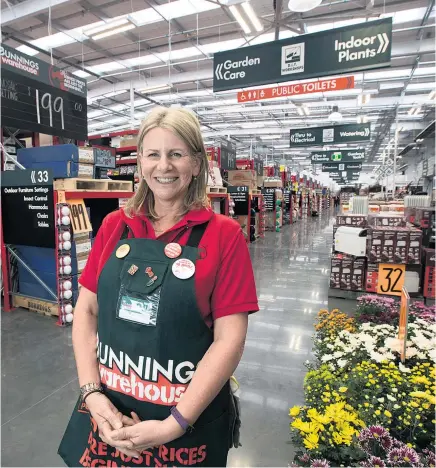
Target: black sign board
(339, 156)
(104, 157)
(269, 198)
(333, 167)
(228, 155)
(40, 97)
(330, 135)
(345, 175)
(286, 197)
(27, 205)
(358, 47)
(240, 196)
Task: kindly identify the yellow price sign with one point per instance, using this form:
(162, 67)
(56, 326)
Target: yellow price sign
(79, 216)
(391, 279)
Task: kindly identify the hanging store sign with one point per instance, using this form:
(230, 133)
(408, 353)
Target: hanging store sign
(228, 155)
(29, 193)
(347, 175)
(308, 87)
(342, 156)
(333, 167)
(40, 97)
(349, 49)
(333, 134)
(240, 196)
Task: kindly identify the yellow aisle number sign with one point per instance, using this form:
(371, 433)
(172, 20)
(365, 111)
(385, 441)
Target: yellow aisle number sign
(391, 279)
(79, 216)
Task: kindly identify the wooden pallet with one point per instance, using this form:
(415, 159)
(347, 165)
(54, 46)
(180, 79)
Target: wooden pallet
(255, 192)
(210, 189)
(36, 305)
(93, 185)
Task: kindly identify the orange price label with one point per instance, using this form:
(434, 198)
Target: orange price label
(391, 279)
(79, 216)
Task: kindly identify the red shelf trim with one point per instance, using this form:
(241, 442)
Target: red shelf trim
(103, 194)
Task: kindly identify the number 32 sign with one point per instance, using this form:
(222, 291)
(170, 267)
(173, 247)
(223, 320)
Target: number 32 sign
(390, 279)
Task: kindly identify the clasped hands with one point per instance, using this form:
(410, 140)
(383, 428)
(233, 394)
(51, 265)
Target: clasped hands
(130, 435)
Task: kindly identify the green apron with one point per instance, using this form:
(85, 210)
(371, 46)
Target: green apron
(146, 367)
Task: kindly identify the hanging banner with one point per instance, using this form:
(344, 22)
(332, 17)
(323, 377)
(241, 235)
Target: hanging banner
(333, 134)
(308, 87)
(318, 157)
(40, 97)
(228, 155)
(338, 51)
(333, 167)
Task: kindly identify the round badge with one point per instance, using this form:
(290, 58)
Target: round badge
(173, 250)
(183, 268)
(122, 251)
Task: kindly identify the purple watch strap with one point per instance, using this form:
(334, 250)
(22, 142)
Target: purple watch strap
(180, 419)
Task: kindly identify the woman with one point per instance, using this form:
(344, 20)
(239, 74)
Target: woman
(166, 292)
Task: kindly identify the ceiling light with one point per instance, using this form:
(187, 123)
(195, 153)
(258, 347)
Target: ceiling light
(363, 99)
(432, 95)
(120, 29)
(111, 27)
(414, 111)
(81, 74)
(152, 89)
(335, 116)
(238, 17)
(303, 5)
(361, 119)
(258, 26)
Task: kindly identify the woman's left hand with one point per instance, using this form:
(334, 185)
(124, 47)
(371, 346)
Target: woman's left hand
(148, 434)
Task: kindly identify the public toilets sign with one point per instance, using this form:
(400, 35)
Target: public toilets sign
(337, 51)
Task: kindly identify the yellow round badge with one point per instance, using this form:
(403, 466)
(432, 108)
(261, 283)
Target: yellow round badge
(122, 250)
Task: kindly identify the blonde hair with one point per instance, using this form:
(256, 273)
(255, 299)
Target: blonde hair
(185, 126)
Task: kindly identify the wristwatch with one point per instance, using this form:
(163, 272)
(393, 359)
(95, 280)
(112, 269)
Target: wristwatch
(87, 389)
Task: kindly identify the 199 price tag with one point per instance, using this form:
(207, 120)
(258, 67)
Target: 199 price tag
(391, 279)
(79, 217)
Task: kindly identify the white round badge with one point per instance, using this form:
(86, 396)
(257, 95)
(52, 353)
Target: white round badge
(183, 268)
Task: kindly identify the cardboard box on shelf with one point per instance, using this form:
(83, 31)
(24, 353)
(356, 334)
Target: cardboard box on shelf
(402, 245)
(358, 274)
(415, 245)
(375, 245)
(424, 217)
(388, 245)
(128, 142)
(273, 183)
(346, 273)
(335, 271)
(386, 219)
(248, 178)
(352, 220)
(371, 277)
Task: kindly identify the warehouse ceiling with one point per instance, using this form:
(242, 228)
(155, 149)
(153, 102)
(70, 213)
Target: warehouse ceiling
(171, 44)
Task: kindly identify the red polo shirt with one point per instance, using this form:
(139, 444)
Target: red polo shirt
(224, 279)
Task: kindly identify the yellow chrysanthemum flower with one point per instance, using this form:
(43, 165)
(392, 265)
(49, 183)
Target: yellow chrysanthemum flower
(294, 411)
(311, 441)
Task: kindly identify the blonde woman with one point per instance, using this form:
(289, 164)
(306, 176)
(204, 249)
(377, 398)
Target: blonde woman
(166, 295)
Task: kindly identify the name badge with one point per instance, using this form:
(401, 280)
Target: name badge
(137, 310)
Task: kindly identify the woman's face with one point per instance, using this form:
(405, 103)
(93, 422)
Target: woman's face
(167, 165)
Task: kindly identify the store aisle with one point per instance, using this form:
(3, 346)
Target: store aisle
(39, 386)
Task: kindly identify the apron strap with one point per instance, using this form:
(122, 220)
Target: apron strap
(196, 235)
(125, 233)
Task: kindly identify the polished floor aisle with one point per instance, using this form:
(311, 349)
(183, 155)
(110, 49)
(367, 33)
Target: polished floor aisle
(39, 385)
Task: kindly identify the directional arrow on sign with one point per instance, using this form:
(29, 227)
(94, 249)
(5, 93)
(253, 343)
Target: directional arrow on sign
(218, 69)
(384, 42)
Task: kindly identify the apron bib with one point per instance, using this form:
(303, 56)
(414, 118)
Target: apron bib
(151, 337)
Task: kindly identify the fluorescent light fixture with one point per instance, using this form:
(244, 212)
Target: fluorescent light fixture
(112, 32)
(152, 89)
(116, 26)
(106, 67)
(414, 110)
(303, 110)
(81, 74)
(432, 95)
(27, 50)
(238, 17)
(258, 26)
(363, 99)
(362, 119)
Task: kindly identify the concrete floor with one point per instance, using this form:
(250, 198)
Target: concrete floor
(39, 385)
